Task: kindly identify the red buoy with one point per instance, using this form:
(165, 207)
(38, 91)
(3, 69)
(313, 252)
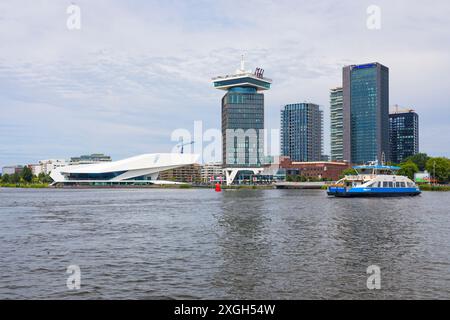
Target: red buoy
(218, 188)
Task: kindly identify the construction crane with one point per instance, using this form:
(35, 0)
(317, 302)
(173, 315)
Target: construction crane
(181, 144)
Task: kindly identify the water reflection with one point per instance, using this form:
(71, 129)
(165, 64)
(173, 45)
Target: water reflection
(243, 242)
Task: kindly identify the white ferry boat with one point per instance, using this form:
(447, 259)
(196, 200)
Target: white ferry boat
(374, 180)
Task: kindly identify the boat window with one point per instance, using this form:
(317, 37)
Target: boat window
(385, 184)
(379, 184)
(402, 184)
(391, 184)
(397, 184)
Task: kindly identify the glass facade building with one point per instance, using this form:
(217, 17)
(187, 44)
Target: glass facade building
(301, 132)
(404, 135)
(337, 124)
(243, 117)
(366, 113)
(242, 127)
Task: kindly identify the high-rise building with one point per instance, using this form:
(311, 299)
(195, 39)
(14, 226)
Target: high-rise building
(337, 124)
(366, 113)
(242, 120)
(301, 132)
(404, 134)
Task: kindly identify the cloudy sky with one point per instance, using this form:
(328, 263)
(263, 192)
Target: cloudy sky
(137, 70)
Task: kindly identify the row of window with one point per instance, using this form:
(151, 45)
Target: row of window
(391, 184)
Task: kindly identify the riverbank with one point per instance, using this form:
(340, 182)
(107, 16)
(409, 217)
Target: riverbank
(25, 185)
(427, 187)
(185, 186)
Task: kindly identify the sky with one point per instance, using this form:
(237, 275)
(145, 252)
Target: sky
(138, 70)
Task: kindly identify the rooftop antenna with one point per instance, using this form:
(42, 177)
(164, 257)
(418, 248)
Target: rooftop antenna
(242, 63)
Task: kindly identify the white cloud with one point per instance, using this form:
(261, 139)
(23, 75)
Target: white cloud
(136, 71)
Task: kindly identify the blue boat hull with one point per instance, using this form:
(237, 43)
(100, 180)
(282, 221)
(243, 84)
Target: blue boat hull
(373, 192)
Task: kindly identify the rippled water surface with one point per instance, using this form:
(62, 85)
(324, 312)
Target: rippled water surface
(252, 244)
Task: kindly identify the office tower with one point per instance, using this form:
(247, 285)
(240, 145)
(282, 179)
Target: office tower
(302, 132)
(336, 124)
(366, 113)
(242, 120)
(404, 134)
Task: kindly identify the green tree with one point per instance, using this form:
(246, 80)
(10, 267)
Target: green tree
(27, 174)
(44, 178)
(439, 168)
(289, 178)
(420, 159)
(408, 169)
(348, 172)
(6, 178)
(14, 178)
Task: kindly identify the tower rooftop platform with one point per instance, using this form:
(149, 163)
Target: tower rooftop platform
(243, 78)
(246, 79)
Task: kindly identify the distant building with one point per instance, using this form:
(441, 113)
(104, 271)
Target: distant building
(317, 169)
(366, 113)
(10, 170)
(90, 159)
(188, 173)
(51, 164)
(404, 134)
(211, 172)
(302, 132)
(337, 124)
(36, 169)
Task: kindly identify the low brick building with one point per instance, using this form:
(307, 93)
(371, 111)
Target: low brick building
(320, 169)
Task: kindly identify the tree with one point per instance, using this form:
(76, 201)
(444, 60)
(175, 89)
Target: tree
(420, 159)
(408, 169)
(44, 178)
(439, 168)
(15, 178)
(349, 172)
(27, 174)
(5, 178)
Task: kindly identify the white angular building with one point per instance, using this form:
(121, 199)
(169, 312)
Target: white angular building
(142, 169)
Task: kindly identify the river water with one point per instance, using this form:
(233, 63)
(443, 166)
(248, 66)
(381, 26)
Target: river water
(237, 244)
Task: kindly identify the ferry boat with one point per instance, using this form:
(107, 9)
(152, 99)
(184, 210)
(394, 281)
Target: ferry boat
(374, 180)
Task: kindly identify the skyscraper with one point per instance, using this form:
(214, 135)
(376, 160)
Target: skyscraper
(242, 120)
(366, 113)
(302, 132)
(404, 134)
(336, 124)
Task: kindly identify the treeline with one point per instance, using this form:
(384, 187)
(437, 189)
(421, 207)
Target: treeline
(25, 177)
(437, 167)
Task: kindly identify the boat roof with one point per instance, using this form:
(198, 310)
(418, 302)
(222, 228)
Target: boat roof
(377, 167)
